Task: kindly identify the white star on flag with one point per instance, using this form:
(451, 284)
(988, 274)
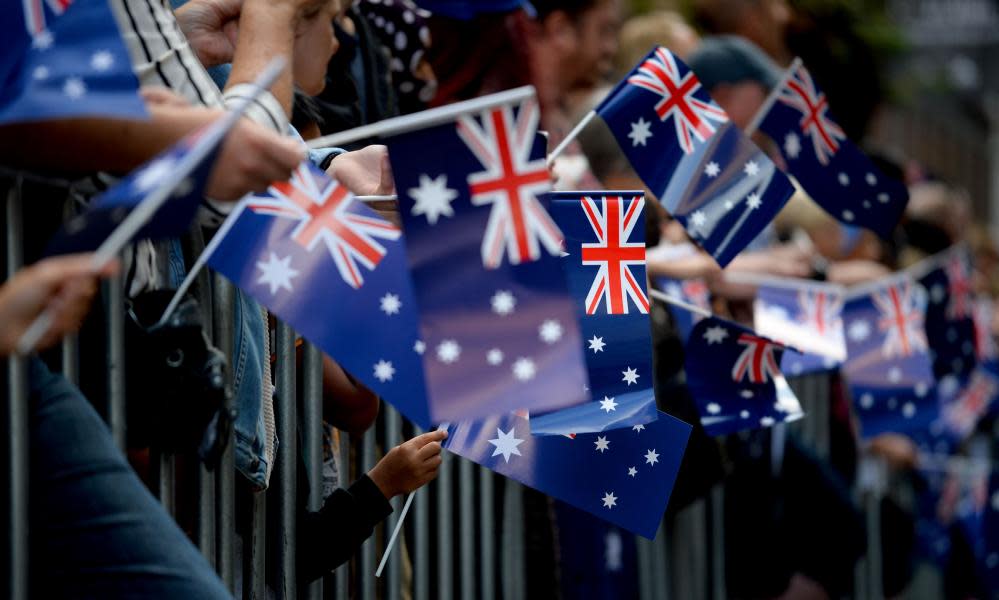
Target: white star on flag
(766, 421)
(715, 335)
(601, 444)
(448, 351)
(41, 72)
(747, 394)
(858, 331)
(43, 41)
(524, 369)
(698, 218)
(639, 428)
(277, 273)
(866, 400)
(713, 408)
(651, 457)
(390, 304)
(844, 179)
(74, 88)
(938, 294)
(753, 201)
(506, 444)
(384, 370)
(632, 471)
(419, 347)
(751, 168)
(630, 376)
(550, 331)
(712, 169)
(908, 410)
(640, 132)
(871, 179)
(597, 344)
(433, 198)
(610, 500)
(503, 302)
(494, 356)
(101, 61)
(894, 374)
(608, 404)
(792, 145)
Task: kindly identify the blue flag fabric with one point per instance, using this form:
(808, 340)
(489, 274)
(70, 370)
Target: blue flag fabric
(798, 364)
(484, 256)
(889, 368)
(623, 476)
(64, 58)
(708, 175)
(184, 168)
(961, 414)
(596, 559)
(950, 324)
(985, 345)
(691, 291)
(803, 314)
(837, 175)
(335, 271)
(605, 267)
(734, 378)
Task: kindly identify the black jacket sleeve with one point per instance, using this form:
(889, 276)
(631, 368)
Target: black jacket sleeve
(328, 538)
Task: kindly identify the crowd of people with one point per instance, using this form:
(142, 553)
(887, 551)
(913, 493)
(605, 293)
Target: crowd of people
(97, 532)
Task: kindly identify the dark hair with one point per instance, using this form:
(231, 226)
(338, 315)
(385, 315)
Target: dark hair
(573, 8)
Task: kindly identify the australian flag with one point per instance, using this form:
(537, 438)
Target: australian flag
(889, 368)
(484, 256)
(837, 175)
(708, 175)
(64, 58)
(605, 266)
(734, 377)
(972, 402)
(335, 271)
(170, 187)
(985, 345)
(806, 315)
(950, 322)
(623, 476)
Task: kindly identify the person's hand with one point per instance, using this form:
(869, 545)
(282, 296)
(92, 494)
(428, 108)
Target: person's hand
(365, 172)
(65, 285)
(252, 158)
(211, 28)
(160, 96)
(410, 465)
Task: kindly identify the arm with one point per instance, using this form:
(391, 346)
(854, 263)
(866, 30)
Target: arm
(347, 404)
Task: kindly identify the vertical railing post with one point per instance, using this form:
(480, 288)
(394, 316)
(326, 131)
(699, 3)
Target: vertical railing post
(718, 589)
(223, 299)
(393, 570)
(445, 522)
(341, 576)
(466, 535)
(687, 552)
(366, 566)
(70, 349)
(487, 537)
(17, 416)
(114, 291)
(644, 550)
(421, 542)
(312, 437)
(513, 565)
(285, 472)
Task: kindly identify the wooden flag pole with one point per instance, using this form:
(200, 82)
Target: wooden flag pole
(769, 102)
(395, 534)
(572, 135)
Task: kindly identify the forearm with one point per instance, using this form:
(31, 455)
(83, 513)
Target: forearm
(265, 31)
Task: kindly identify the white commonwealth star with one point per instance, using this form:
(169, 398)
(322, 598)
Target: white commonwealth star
(276, 273)
(712, 169)
(524, 369)
(503, 302)
(848, 215)
(41, 72)
(640, 132)
(448, 351)
(651, 457)
(390, 304)
(843, 179)
(908, 410)
(866, 400)
(766, 421)
(871, 179)
(384, 370)
(747, 394)
(506, 444)
(74, 88)
(155, 173)
(639, 428)
(698, 218)
(751, 168)
(101, 61)
(43, 41)
(858, 330)
(433, 198)
(894, 374)
(792, 145)
(610, 500)
(608, 404)
(494, 356)
(630, 376)
(753, 201)
(419, 347)
(715, 334)
(632, 471)
(550, 331)
(713, 408)
(597, 344)
(601, 444)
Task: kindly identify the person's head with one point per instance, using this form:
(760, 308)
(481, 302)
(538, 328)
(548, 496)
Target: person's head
(764, 22)
(659, 28)
(581, 35)
(737, 74)
(315, 43)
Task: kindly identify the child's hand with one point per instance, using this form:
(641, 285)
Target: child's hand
(410, 465)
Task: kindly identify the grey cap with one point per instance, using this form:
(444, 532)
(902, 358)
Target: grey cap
(732, 59)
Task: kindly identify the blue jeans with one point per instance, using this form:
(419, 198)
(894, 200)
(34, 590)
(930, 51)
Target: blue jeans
(96, 531)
